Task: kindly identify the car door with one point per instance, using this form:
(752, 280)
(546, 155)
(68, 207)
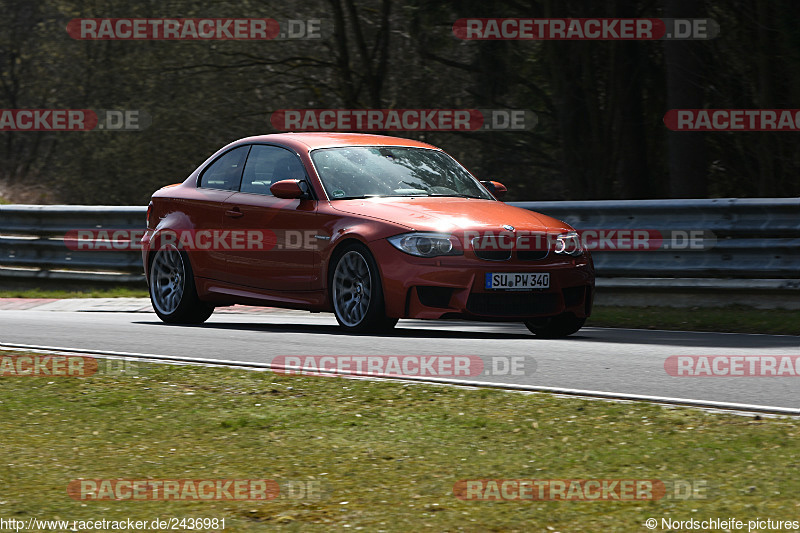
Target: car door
(205, 207)
(273, 243)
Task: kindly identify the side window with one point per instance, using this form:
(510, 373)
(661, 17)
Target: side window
(226, 172)
(268, 164)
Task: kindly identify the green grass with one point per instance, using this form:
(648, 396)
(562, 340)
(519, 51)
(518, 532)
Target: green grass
(3, 201)
(388, 454)
(734, 319)
(88, 292)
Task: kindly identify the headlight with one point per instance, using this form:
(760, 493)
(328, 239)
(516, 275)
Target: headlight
(425, 244)
(569, 243)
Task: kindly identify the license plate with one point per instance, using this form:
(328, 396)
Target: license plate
(517, 281)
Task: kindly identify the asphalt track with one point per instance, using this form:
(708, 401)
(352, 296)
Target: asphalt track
(616, 361)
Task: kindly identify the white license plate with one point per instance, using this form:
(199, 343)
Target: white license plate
(517, 281)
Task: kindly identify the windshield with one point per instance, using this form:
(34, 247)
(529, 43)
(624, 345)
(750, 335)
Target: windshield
(363, 171)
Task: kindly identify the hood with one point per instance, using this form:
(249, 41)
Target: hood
(445, 214)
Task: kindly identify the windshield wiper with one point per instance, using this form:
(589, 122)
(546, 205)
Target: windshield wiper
(456, 195)
(360, 197)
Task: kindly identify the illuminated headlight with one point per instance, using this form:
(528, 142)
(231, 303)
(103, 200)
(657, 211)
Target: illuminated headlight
(569, 243)
(425, 244)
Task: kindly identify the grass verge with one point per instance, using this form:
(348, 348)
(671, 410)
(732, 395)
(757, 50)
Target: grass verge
(387, 454)
(88, 292)
(733, 319)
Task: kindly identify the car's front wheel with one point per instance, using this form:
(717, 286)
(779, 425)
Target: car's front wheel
(172, 289)
(555, 327)
(357, 293)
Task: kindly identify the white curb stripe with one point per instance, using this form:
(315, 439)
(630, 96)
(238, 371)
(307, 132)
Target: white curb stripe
(445, 381)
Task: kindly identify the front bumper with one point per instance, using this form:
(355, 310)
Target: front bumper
(453, 286)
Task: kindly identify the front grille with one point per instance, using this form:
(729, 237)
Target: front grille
(531, 255)
(493, 255)
(491, 249)
(533, 247)
(513, 303)
(528, 248)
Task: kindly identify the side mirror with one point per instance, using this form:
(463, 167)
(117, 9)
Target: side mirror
(289, 189)
(496, 188)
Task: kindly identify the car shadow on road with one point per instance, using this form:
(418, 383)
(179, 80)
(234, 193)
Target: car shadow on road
(506, 331)
(323, 329)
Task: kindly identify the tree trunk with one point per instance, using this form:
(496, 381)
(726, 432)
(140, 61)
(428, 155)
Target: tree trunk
(688, 172)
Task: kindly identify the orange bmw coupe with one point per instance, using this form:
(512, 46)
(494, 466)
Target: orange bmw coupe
(369, 227)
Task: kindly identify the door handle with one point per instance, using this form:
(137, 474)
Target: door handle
(234, 213)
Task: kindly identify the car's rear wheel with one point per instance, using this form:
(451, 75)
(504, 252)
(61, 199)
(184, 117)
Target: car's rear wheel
(357, 292)
(555, 327)
(172, 289)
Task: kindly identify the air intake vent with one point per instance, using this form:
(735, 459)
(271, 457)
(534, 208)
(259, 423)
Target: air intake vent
(513, 304)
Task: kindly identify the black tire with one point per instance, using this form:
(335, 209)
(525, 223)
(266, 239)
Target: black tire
(172, 288)
(356, 291)
(555, 327)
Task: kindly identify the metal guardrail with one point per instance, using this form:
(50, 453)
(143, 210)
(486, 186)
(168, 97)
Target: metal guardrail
(32, 243)
(756, 246)
(754, 238)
